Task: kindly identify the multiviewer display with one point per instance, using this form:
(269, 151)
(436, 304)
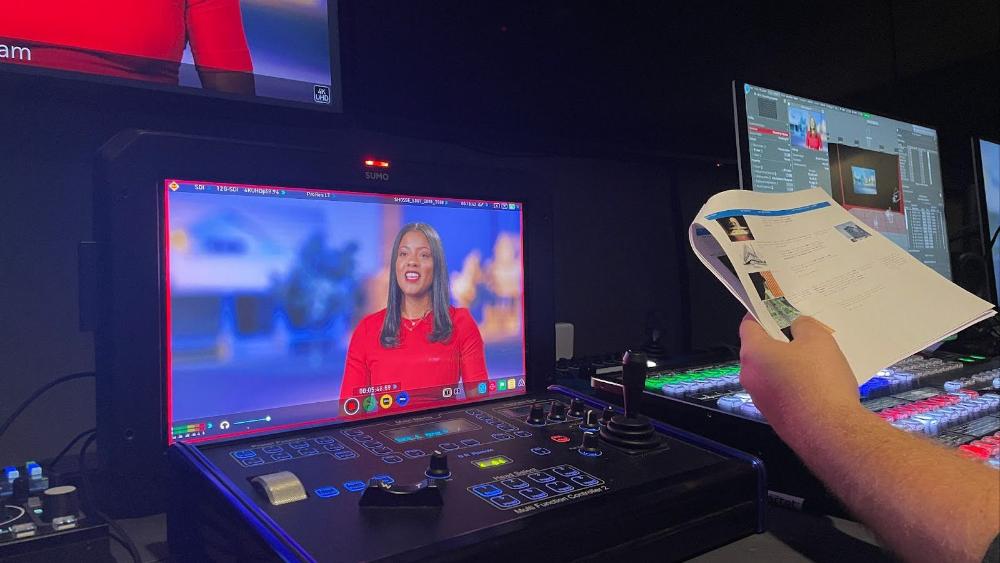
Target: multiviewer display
(887, 173)
(989, 154)
(290, 307)
(272, 49)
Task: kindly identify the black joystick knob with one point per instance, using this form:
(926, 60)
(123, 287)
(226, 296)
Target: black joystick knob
(590, 446)
(576, 407)
(438, 467)
(607, 414)
(632, 430)
(60, 501)
(558, 412)
(537, 414)
(590, 421)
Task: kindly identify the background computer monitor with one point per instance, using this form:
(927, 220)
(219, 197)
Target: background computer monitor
(884, 171)
(987, 169)
(265, 50)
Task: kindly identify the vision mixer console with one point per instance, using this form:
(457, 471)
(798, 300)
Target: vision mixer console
(953, 400)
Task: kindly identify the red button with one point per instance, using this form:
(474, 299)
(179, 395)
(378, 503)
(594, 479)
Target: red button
(559, 438)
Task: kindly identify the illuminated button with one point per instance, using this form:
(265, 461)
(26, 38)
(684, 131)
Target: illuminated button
(584, 480)
(381, 450)
(372, 444)
(522, 433)
(327, 492)
(565, 471)
(470, 442)
(541, 477)
(488, 420)
(363, 438)
(272, 449)
(532, 493)
(333, 447)
(487, 491)
(244, 454)
(473, 411)
(345, 454)
(354, 486)
(281, 456)
(354, 432)
(414, 453)
(392, 459)
(559, 438)
(506, 427)
(505, 501)
(515, 483)
(251, 462)
(308, 451)
(560, 486)
(300, 445)
(502, 436)
(385, 478)
(448, 446)
(541, 451)
(324, 440)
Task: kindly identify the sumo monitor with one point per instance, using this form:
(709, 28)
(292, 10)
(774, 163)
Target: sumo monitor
(252, 289)
(885, 172)
(987, 170)
(266, 50)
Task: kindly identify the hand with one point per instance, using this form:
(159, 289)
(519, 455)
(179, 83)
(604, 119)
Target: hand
(789, 380)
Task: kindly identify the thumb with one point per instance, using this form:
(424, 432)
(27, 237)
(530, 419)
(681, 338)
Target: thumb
(808, 328)
(752, 334)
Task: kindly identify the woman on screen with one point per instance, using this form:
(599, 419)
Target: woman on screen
(419, 342)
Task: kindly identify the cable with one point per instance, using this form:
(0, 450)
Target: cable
(55, 461)
(122, 535)
(17, 412)
(5, 522)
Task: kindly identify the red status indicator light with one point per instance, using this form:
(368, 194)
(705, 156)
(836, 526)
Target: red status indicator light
(370, 162)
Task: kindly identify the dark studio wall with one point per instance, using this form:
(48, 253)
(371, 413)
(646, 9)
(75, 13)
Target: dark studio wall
(622, 110)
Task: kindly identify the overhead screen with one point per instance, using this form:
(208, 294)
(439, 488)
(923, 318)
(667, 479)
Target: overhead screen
(989, 179)
(885, 172)
(273, 50)
(291, 307)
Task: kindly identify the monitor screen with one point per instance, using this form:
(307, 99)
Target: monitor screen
(272, 50)
(291, 307)
(989, 156)
(885, 172)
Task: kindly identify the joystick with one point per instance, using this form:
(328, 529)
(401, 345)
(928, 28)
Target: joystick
(558, 411)
(631, 430)
(438, 466)
(590, 423)
(576, 407)
(537, 414)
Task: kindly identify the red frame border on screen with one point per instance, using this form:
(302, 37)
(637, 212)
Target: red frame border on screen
(317, 422)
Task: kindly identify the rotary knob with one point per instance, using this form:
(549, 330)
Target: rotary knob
(60, 501)
(608, 414)
(438, 467)
(558, 412)
(537, 414)
(590, 446)
(590, 421)
(576, 407)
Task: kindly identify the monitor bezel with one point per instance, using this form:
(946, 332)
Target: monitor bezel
(129, 186)
(984, 220)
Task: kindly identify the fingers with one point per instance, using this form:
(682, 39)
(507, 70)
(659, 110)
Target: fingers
(752, 334)
(807, 328)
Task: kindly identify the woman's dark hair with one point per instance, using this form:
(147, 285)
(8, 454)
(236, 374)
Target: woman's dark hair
(440, 292)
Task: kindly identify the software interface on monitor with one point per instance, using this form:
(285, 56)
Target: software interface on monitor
(989, 154)
(885, 172)
(290, 307)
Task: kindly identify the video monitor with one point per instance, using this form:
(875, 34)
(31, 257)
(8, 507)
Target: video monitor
(885, 172)
(988, 177)
(289, 306)
(273, 50)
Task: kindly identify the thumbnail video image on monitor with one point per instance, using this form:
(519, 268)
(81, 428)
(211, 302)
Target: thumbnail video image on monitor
(989, 177)
(261, 49)
(289, 307)
(885, 172)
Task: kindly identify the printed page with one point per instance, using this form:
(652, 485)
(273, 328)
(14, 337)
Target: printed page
(800, 253)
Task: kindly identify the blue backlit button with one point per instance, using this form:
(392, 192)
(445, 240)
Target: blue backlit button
(514, 483)
(522, 433)
(506, 427)
(299, 445)
(470, 442)
(281, 456)
(447, 446)
(488, 419)
(308, 451)
(541, 451)
(333, 447)
(584, 480)
(324, 440)
(392, 459)
(244, 454)
(345, 454)
(505, 501)
(251, 462)
(327, 492)
(372, 444)
(272, 449)
(541, 477)
(354, 486)
(502, 436)
(565, 471)
(385, 478)
(532, 493)
(473, 411)
(381, 450)
(363, 438)
(560, 486)
(487, 490)
(414, 453)
(354, 432)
